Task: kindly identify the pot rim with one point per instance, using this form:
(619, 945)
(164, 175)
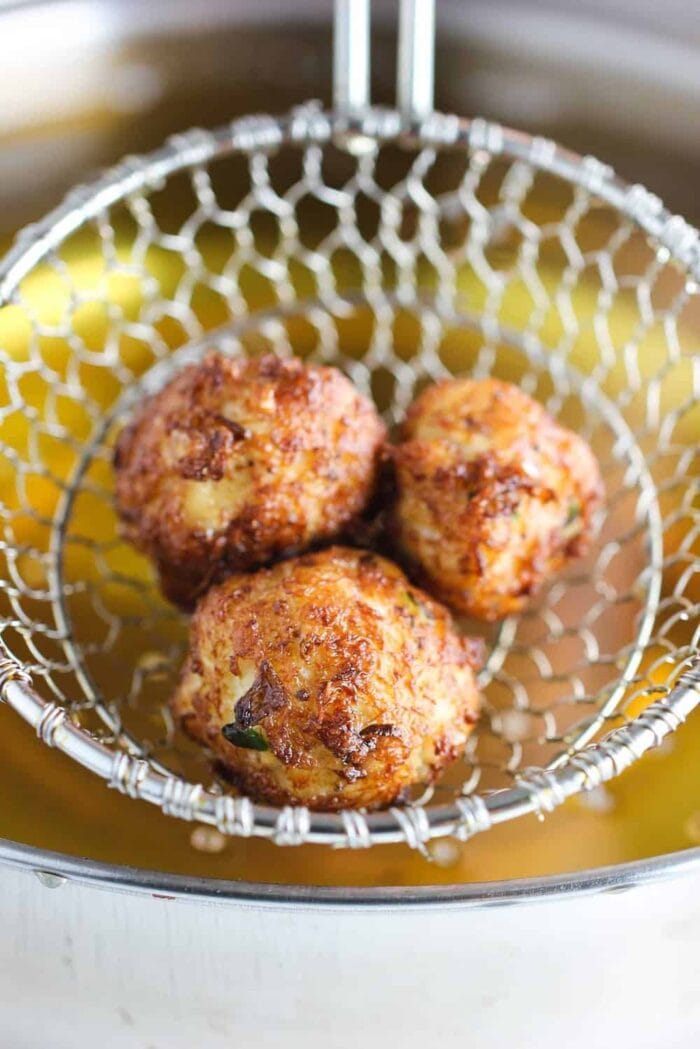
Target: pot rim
(62, 867)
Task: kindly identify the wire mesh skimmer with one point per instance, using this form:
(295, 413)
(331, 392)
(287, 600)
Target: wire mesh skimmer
(402, 246)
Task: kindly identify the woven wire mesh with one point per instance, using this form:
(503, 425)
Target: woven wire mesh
(402, 259)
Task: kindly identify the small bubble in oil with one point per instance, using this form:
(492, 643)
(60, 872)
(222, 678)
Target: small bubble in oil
(664, 749)
(692, 827)
(207, 839)
(444, 853)
(515, 726)
(597, 800)
(152, 663)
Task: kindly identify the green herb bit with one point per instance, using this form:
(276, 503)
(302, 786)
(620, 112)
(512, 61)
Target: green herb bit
(419, 605)
(574, 512)
(249, 738)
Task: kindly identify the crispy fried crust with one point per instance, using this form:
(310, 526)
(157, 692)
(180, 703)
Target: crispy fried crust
(235, 462)
(493, 495)
(354, 681)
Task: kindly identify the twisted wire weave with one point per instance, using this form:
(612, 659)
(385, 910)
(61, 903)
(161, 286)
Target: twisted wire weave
(456, 247)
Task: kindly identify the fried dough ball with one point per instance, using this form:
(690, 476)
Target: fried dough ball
(493, 496)
(327, 680)
(238, 461)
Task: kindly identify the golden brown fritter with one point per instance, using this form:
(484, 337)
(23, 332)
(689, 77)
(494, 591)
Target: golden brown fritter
(237, 461)
(327, 680)
(493, 495)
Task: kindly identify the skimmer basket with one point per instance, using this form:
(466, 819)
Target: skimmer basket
(402, 252)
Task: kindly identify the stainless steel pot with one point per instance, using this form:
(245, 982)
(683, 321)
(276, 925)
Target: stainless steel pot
(96, 952)
(106, 955)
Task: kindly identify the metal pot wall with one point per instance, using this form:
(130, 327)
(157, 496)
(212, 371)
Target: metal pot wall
(92, 953)
(118, 957)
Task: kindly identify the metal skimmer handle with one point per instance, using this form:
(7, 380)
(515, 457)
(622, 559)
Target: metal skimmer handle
(416, 58)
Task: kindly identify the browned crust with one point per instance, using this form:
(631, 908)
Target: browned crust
(372, 689)
(493, 495)
(304, 442)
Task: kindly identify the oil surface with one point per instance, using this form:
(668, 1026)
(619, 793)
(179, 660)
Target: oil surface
(52, 803)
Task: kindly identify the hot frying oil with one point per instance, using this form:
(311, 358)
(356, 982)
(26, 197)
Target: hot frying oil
(54, 804)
